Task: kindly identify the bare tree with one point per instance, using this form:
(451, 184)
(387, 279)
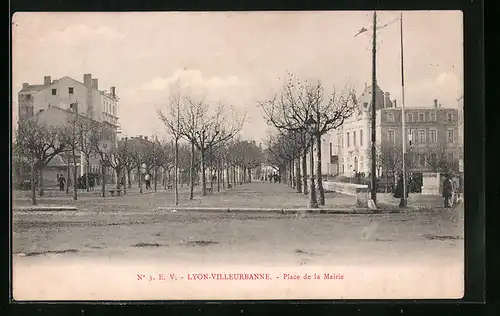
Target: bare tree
(299, 101)
(440, 161)
(104, 144)
(39, 143)
(206, 130)
(86, 136)
(172, 121)
(72, 135)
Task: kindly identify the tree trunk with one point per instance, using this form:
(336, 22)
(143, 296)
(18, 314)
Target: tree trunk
(228, 179)
(176, 171)
(298, 180)
(140, 178)
(40, 181)
(319, 183)
(68, 175)
(290, 175)
(33, 180)
(249, 174)
(191, 173)
(118, 172)
(103, 181)
(129, 171)
(156, 177)
(304, 172)
(203, 174)
(87, 165)
(218, 176)
(234, 176)
(75, 188)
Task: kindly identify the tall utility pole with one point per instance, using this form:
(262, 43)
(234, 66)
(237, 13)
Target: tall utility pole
(374, 110)
(403, 118)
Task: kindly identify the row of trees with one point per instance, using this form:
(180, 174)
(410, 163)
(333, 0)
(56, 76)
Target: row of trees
(390, 159)
(290, 112)
(211, 131)
(37, 142)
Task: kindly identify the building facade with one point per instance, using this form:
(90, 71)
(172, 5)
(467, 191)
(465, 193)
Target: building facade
(55, 101)
(430, 130)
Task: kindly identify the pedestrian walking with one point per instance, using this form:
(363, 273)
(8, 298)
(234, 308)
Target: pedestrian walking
(447, 191)
(62, 182)
(148, 181)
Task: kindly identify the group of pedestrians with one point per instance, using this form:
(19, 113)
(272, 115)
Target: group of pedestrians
(449, 190)
(276, 178)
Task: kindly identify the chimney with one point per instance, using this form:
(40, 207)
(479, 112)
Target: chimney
(47, 81)
(140, 136)
(435, 103)
(95, 84)
(387, 100)
(113, 91)
(146, 138)
(87, 80)
(395, 103)
(440, 105)
(25, 85)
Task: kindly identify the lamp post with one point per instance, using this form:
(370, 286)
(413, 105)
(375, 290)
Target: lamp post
(311, 127)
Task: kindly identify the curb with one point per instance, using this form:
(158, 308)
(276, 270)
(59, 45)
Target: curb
(278, 210)
(42, 208)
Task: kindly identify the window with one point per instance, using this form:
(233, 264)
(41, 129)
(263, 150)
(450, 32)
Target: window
(421, 136)
(365, 104)
(433, 136)
(70, 90)
(421, 117)
(409, 117)
(433, 117)
(450, 157)
(390, 117)
(342, 142)
(28, 97)
(54, 91)
(354, 138)
(348, 141)
(449, 116)
(450, 136)
(390, 137)
(361, 137)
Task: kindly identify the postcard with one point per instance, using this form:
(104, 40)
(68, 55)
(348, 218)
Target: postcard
(277, 155)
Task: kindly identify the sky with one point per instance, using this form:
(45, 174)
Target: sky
(237, 58)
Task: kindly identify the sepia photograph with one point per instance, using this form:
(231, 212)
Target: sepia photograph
(267, 155)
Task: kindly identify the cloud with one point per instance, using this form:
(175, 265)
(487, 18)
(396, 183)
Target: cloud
(81, 32)
(189, 78)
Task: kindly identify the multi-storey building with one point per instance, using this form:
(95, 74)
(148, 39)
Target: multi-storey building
(429, 129)
(54, 101)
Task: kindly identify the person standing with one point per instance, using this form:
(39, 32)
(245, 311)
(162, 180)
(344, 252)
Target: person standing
(398, 192)
(148, 181)
(62, 182)
(447, 191)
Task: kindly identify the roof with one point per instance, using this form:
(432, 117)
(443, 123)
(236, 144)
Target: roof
(40, 87)
(57, 161)
(33, 88)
